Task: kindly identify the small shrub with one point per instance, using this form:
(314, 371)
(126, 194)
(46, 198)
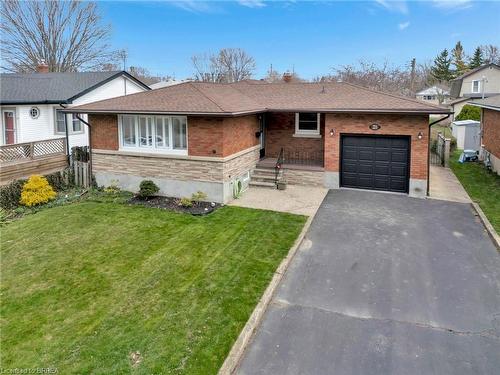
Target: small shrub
(199, 196)
(57, 181)
(186, 202)
(147, 189)
(36, 191)
(10, 194)
(469, 112)
(113, 188)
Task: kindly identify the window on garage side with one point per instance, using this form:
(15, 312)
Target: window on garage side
(307, 123)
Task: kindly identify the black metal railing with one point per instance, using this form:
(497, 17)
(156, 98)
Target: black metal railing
(279, 165)
(303, 157)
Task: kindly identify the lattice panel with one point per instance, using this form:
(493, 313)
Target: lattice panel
(15, 152)
(50, 147)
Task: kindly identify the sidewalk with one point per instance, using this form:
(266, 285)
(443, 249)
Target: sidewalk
(444, 185)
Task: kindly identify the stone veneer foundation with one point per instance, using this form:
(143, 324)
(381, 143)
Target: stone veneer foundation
(176, 176)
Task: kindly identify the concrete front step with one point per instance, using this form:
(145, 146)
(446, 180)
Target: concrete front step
(263, 184)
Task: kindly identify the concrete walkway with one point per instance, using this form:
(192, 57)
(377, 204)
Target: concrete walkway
(384, 284)
(301, 200)
(445, 185)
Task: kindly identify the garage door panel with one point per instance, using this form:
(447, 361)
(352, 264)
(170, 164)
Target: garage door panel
(365, 154)
(383, 155)
(375, 162)
(399, 156)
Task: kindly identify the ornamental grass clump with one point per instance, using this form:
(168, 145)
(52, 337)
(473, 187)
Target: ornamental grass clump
(36, 190)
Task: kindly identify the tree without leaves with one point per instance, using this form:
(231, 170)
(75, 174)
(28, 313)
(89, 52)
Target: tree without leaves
(67, 35)
(491, 54)
(477, 58)
(441, 70)
(228, 65)
(458, 56)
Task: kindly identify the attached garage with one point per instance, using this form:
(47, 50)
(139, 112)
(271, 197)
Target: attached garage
(375, 162)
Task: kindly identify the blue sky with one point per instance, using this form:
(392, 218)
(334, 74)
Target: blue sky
(311, 37)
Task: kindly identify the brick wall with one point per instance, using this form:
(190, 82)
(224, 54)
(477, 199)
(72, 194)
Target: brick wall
(491, 131)
(390, 125)
(239, 133)
(104, 131)
(280, 129)
(205, 136)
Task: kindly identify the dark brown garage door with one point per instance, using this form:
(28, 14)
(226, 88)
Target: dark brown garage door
(375, 162)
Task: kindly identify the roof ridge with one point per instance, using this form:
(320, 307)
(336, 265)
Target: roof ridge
(393, 95)
(206, 96)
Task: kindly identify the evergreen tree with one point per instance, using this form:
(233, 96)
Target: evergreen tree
(441, 70)
(458, 56)
(477, 59)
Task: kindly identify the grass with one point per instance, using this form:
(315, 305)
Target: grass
(482, 186)
(86, 285)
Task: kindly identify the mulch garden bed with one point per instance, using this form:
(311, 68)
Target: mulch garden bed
(173, 204)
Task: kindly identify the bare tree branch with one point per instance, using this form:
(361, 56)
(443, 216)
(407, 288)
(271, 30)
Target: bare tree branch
(228, 65)
(67, 35)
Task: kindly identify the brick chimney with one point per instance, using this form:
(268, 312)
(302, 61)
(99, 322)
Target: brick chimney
(287, 77)
(42, 67)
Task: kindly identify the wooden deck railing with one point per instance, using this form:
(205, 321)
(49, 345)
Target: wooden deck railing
(21, 160)
(19, 152)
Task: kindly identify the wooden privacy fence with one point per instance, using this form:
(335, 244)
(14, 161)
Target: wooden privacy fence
(80, 165)
(21, 160)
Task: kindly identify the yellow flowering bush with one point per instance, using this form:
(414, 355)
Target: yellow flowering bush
(36, 191)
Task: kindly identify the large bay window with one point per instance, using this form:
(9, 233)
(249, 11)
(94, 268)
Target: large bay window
(307, 124)
(166, 134)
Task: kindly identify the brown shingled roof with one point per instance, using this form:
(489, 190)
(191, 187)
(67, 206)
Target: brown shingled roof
(252, 97)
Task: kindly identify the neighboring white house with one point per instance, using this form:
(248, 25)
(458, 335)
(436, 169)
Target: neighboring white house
(476, 84)
(170, 82)
(436, 94)
(30, 104)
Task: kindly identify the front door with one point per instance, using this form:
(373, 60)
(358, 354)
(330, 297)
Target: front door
(9, 127)
(262, 135)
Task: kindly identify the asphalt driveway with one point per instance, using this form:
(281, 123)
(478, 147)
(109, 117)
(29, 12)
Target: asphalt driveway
(385, 284)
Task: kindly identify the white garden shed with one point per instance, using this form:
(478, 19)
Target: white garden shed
(467, 134)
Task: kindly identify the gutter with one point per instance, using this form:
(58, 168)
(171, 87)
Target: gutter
(429, 151)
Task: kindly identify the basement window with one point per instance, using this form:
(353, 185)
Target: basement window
(307, 124)
(162, 134)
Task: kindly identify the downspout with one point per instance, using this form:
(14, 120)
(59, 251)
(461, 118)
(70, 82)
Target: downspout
(66, 131)
(429, 151)
(90, 145)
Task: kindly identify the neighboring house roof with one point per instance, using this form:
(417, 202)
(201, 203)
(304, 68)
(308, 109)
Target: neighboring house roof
(465, 122)
(170, 82)
(252, 97)
(459, 100)
(456, 84)
(41, 88)
(493, 102)
(434, 90)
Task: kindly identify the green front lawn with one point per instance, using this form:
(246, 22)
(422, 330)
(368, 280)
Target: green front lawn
(87, 285)
(482, 186)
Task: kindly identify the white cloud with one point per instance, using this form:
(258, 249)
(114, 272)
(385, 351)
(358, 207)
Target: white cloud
(399, 6)
(252, 3)
(194, 6)
(404, 25)
(452, 4)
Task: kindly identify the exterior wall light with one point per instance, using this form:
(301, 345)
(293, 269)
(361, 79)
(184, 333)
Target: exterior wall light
(332, 132)
(420, 135)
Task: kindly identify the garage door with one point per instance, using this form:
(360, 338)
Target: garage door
(375, 162)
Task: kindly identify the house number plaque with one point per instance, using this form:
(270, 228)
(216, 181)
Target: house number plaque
(374, 126)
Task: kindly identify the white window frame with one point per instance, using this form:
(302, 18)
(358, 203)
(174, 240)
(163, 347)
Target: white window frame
(307, 133)
(478, 86)
(153, 148)
(68, 122)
